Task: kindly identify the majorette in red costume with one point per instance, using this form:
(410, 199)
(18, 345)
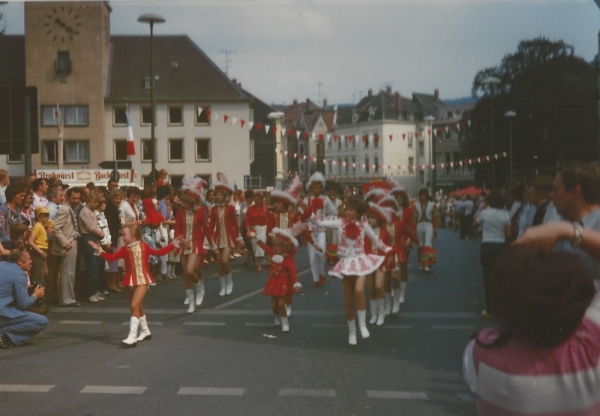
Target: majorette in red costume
(427, 216)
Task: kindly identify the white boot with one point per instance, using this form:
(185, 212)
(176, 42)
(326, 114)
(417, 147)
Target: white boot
(277, 320)
(362, 324)
(145, 334)
(186, 301)
(381, 304)
(396, 305)
(285, 325)
(131, 340)
(190, 295)
(402, 291)
(388, 303)
(288, 309)
(351, 332)
(199, 292)
(223, 280)
(229, 286)
(170, 273)
(373, 307)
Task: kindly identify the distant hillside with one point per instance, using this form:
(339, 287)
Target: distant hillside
(463, 100)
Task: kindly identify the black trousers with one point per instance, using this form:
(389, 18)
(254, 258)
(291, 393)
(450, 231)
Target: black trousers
(488, 255)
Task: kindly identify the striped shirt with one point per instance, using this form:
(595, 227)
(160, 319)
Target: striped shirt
(518, 379)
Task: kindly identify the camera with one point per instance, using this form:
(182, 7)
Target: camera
(31, 288)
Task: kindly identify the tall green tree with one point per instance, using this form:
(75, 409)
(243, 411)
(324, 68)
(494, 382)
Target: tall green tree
(554, 95)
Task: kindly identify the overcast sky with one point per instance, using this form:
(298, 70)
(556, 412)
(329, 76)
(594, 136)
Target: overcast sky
(285, 48)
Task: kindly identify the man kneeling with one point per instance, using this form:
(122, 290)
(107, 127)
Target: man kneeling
(17, 325)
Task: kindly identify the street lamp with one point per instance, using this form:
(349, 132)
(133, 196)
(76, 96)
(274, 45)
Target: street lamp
(429, 119)
(491, 81)
(510, 115)
(152, 18)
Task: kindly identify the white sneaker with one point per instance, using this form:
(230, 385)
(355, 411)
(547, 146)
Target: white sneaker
(94, 299)
(427, 269)
(277, 320)
(285, 325)
(288, 309)
(152, 284)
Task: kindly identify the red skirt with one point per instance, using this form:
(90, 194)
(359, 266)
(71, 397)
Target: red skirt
(427, 256)
(279, 287)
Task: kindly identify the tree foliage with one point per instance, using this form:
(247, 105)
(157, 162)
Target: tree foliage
(554, 94)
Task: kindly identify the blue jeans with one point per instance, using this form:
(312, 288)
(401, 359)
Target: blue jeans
(22, 328)
(91, 263)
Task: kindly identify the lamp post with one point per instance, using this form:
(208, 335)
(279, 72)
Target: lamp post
(429, 119)
(491, 81)
(510, 115)
(152, 18)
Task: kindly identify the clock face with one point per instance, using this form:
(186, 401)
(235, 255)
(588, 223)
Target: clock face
(62, 24)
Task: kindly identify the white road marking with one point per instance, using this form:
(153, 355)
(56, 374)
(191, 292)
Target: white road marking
(403, 395)
(211, 391)
(453, 327)
(307, 392)
(82, 322)
(205, 323)
(114, 389)
(260, 324)
(26, 388)
(248, 295)
(149, 323)
(385, 326)
(466, 397)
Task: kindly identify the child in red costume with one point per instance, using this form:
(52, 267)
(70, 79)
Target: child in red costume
(153, 219)
(283, 278)
(136, 254)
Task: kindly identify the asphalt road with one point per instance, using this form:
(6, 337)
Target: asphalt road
(219, 361)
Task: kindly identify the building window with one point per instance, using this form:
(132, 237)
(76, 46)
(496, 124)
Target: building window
(146, 150)
(330, 145)
(346, 164)
(175, 150)
(330, 169)
(175, 115)
(410, 140)
(14, 159)
(375, 141)
(354, 142)
(449, 115)
(421, 177)
(353, 165)
(251, 115)
(176, 181)
(421, 148)
(77, 151)
(202, 119)
(120, 149)
(366, 163)
(411, 163)
(49, 151)
(346, 142)
(366, 140)
(376, 164)
(339, 161)
(73, 115)
(147, 83)
(119, 116)
(203, 150)
(146, 115)
(339, 143)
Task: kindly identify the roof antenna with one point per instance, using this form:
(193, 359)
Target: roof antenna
(227, 52)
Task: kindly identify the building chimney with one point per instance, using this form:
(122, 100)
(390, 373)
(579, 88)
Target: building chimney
(398, 104)
(307, 104)
(295, 102)
(234, 80)
(370, 92)
(436, 95)
(325, 104)
(389, 89)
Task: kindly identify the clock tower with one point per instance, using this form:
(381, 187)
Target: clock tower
(67, 47)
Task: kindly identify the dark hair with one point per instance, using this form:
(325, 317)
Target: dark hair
(72, 191)
(543, 183)
(13, 190)
(424, 191)
(35, 185)
(90, 185)
(249, 194)
(112, 180)
(518, 191)
(585, 176)
(495, 200)
(16, 254)
(405, 200)
(133, 190)
(356, 202)
(540, 297)
(17, 231)
(163, 191)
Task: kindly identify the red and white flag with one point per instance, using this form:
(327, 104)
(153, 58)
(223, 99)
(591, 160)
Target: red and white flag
(130, 141)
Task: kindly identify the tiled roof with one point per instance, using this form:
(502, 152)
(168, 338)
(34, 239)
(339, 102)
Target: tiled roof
(12, 61)
(184, 71)
(428, 104)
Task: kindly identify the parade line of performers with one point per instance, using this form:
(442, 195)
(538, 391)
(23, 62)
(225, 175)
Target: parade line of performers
(374, 237)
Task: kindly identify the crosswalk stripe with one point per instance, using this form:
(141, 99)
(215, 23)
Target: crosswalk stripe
(205, 323)
(82, 322)
(26, 388)
(403, 395)
(307, 392)
(466, 397)
(114, 389)
(451, 327)
(211, 391)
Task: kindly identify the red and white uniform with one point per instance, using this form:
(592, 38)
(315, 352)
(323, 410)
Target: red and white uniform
(153, 217)
(191, 225)
(320, 207)
(287, 220)
(354, 260)
(373, 247)
(223, 226)
(282, 273)
(137, 258)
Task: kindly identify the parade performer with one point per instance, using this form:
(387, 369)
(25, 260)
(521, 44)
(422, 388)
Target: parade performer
(321, 206)
(354, 264)
(378, 218)
(258, 217)
(136, 254)
(191, 227)
(153, 219)
(225, 231)
(285, 217)
(283, 279)
(427, 216)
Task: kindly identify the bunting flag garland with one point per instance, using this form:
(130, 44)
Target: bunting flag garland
(403, 136)
(250, 124)
(199, 112)
(391, 137)
(233, 121)
(242, 122)
(258, 126)
(225, 118)
(267, 127)
(208, 112)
